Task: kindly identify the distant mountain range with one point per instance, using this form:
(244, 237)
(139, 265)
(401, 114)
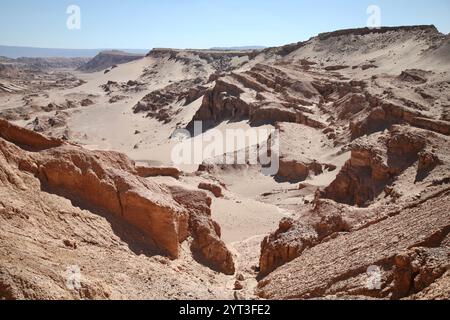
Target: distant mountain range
(30, 52)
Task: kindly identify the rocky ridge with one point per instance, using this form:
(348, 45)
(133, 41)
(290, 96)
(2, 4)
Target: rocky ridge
(108, 59)
(107, 181)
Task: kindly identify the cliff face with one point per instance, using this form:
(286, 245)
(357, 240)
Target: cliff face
(362, 186)
(385, 172)
(409, 251)
(106, 183)
(108, 59)
(365, 31)
(398, 165)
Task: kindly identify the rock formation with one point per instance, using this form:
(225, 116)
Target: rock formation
(377, 160)
(341, 267)
(107, 59)
(213, 188)
(362, 189)
(111, 182)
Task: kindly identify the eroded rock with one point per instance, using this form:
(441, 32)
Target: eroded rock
(340, 266)
(213, 188)
(110, 181)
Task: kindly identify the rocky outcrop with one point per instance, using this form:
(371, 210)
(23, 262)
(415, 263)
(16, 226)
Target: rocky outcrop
(366, 31)
(336, 68)
(370, 262)
(110, 181)
(273, 112)
(147, 172)
(374, 164)
(242, 96)
(293, 237)
(46, 123)
(301, 157)
(351, 104)
(436, 291)
(26, 138)
(285, 245)
(414, 75)
(222, 102)
(216, 190)
(293, 170)
(361, 179)
(439, 126)
(76, 252)
(86, 102)
(157, 104)
(417, 269)
(107, 59)
(428, 161)
(206, 245)
(387, 114)
(106, 181)
(333, 91)
(193, 94)
(219, 60)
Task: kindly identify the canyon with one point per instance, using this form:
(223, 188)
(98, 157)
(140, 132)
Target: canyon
(87, 178)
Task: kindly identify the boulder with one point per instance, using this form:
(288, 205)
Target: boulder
(222, 102)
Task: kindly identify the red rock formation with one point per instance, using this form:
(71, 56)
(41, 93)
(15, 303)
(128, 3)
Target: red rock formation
(26, 138)
(147, 172)
(336, 68)
(286, 244)
(292, 170)
(340, 267)
(271, 113)
(415, 270)
(414, 75)
(241, 96)
(373, 165)
(110, 181)
(206, 246)
(193, 94)
(293, 237)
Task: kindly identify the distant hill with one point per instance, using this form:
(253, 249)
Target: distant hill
(107, 59)
(30, 52)
(238, 48)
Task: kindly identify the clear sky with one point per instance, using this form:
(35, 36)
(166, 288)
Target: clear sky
(144, 24)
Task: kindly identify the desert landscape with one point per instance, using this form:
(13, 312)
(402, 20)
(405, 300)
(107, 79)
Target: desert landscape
(359, 207)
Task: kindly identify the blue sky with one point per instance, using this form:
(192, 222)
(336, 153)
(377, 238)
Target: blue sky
(146, 24)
